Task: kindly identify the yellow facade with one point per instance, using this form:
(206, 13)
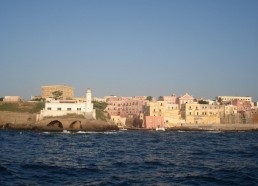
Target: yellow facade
(119, 121)
(170, 112)
(68, 92)
(202, 113)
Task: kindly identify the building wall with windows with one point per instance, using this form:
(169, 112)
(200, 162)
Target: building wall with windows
(170, 99)
(65, 107)
(119, 121)
(68, 92)
(60, 109)
(170, 112)
(126, 108)
(184, 99)
(231, 98)
(202, 113)
(242, 106)
(152, 122)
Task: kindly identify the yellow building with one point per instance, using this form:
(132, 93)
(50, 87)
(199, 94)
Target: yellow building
(170, 112)
(119, 121)
(68, 92)
(202, 113)
(230, 110)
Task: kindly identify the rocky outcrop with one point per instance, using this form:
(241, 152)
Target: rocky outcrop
(27, 121)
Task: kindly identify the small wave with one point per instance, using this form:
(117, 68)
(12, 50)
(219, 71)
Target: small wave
(81, 132)
(110, 132)
(215, 131)
(95, 132)
(66, 132)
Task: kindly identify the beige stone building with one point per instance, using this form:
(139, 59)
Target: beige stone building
(195, 113)
(68, 92)
(169, 112)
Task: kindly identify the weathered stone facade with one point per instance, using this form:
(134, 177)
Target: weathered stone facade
(68, 92)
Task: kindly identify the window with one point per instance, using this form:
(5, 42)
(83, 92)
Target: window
(49, 108)
(190, 113)
(69, 109)
(81, 109)
(59, 108)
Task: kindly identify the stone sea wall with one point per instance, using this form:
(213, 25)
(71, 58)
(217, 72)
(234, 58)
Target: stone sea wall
(27, 121)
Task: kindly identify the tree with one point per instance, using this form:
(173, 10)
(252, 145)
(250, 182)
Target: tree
(161, 98)
(57, 94)
(149, 98)
(203, 102)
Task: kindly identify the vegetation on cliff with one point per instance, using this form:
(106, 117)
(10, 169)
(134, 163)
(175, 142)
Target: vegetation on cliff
(100, 113)
(30, 107)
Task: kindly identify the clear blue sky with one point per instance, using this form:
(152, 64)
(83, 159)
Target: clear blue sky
(130, 47)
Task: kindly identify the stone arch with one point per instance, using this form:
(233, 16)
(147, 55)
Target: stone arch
(76, 125)
(55, 123)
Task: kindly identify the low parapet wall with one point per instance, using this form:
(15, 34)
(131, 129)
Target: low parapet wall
(16, 118)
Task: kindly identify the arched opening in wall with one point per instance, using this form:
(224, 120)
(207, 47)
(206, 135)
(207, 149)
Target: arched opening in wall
(56, 124)
(76, 125)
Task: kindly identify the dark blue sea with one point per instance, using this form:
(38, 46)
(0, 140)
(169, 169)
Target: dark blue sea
(129, 158)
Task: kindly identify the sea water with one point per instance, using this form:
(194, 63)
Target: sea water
(129, 158)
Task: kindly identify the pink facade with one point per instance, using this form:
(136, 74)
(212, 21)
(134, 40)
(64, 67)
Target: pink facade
(152, 122)
(242, 105)
(184, 99)
(126, 108)
(170, 99)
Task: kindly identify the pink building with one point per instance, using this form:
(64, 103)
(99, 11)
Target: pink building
(184, 99)
(242, 105)
(152, 122)
(126, 108)
(170, 99)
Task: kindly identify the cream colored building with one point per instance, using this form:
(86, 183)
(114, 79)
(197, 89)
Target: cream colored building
(230, 110)
(68, 92)
(202, 113)
(231, 98)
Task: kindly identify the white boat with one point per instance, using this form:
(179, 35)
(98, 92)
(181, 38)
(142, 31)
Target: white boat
(160, 129)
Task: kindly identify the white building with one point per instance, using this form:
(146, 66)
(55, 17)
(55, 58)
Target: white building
(65, 107)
